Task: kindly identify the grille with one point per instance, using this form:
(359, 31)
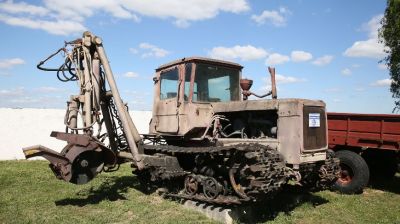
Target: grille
(314, 132)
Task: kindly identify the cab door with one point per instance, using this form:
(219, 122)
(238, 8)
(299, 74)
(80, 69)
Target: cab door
(167, 107)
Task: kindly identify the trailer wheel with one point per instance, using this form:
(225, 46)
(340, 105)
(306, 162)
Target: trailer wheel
(354, 173)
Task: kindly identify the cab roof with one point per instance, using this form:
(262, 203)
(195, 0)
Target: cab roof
(200, 59)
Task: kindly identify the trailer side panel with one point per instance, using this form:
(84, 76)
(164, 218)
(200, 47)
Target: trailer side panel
(380, 131)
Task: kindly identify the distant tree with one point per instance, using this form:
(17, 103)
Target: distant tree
(389, 35)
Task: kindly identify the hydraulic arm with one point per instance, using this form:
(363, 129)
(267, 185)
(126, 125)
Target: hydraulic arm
(88, 153)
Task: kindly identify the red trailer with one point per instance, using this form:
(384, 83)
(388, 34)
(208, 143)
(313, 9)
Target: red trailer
(365, 143)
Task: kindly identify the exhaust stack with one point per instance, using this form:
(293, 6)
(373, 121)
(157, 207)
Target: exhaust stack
(273, 83)
(245, 85)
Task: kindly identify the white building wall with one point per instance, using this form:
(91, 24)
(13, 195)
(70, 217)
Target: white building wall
(26, 127)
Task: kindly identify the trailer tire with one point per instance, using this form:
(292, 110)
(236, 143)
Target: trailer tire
(354, 174)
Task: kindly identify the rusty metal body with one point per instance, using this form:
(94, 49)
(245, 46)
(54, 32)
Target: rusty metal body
(378, 131)
(206, 141)
(185, 118)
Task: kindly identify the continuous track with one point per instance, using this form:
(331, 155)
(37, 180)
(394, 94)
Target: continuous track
(252, 172)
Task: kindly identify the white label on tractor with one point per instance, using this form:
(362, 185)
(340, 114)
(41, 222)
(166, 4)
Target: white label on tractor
(314, 120)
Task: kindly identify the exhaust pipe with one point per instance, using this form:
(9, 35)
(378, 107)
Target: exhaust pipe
(273, 82)
(245, 85)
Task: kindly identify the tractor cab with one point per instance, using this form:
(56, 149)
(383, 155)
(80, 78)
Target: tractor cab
(184, 90)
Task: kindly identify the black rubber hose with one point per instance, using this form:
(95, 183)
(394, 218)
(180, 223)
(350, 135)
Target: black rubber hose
(39, 66)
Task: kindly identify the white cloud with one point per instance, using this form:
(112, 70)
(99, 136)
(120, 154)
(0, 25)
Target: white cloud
(182, 23)
(33, 102)
(132, 92)
(133, 50)
(79, 10)
(332, 90)
(22, 7)
(137, 102)
(20, 97)
(382, 66)
(5, 73)
(337, 100)
(11, 62)
(152, 51)
(57, 27)
(370, 48)
(346, 71)
(53, 16)
(382, 83)
(245, 53)
(275, 59)
(48, 89)
(359, 89)
(276, 18)
(131, 75)
(19, 91)
(280, 80)
(324, 60)
(185, 11)
(373, 26)
(300, 56)
(283, 79)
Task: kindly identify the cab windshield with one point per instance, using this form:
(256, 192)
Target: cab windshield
(215, 84)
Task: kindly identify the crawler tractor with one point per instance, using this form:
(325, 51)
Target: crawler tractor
(207, 140)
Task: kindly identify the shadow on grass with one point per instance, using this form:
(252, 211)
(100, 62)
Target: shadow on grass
(285, 202)
(386, 184)
(112, 189)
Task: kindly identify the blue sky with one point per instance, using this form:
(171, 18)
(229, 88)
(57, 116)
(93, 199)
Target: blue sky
(321, 49)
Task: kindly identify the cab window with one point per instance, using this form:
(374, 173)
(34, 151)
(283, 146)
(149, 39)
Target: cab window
(169, 84)
(215, 84)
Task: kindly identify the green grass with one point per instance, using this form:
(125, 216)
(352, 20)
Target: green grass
(29, 193)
